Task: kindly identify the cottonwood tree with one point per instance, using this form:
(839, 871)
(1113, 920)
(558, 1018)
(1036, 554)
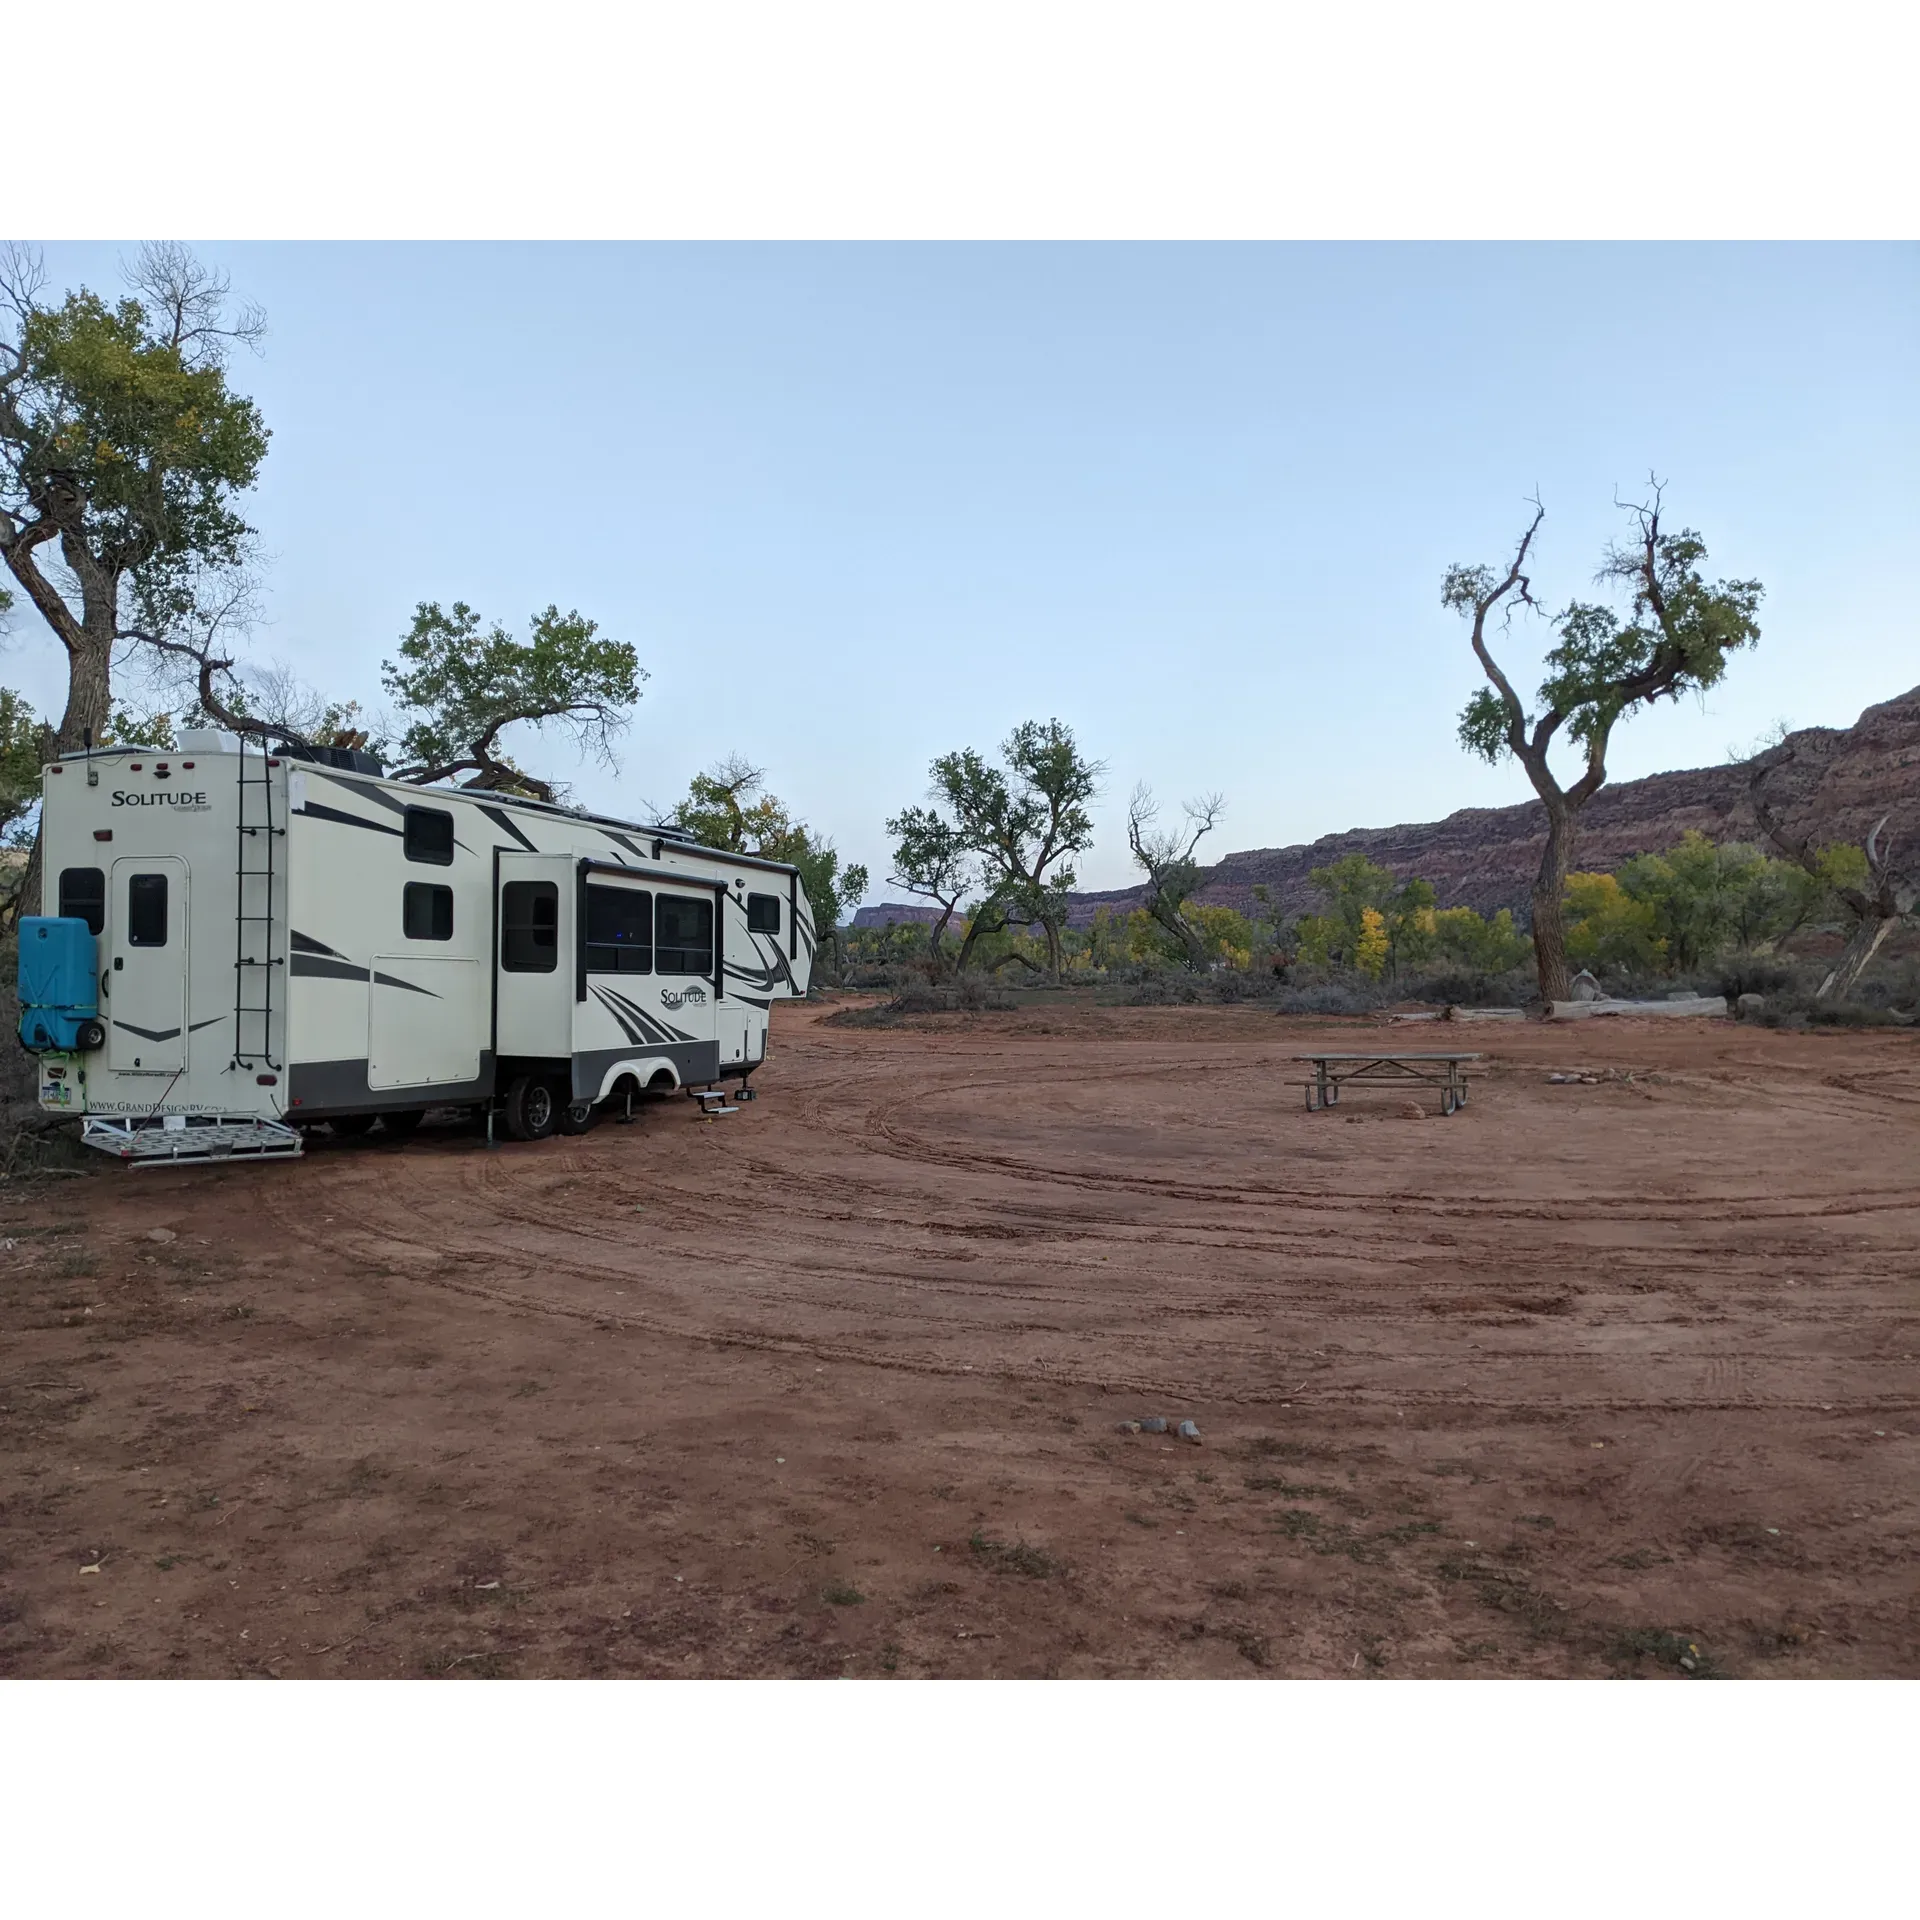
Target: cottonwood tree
(459, 685)
(1166, 856)
(931, 858)
(1675, 639)
(122, 452)
(1025, 820)
(465, 684)
(1879, 891)
(729, 807)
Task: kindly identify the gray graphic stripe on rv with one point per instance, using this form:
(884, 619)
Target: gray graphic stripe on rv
(380, 799)
(313, 810)
(329, 966)
(653, 1020)
(655, 1028)
(149, 1033)
(634, 1022)
(501, 819)
(625, 1021)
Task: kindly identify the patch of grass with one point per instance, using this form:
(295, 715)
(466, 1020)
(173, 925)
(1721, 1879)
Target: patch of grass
(167, 1562)
(1288, 1489)
(839, 1594)
(1254, 1648)
(889, 1658)
(1014, 1557)
(1676, 1650)
(527, 1387)
(1140, 1520)
(1536, 1520)
(1637, 1559)
(1266, 1446)
(1297, 1523)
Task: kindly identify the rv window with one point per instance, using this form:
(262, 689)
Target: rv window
(426, 912)
(763, 913)
(619, 930)
(430, 835)
(530, 926)
(83, 896)
(683, 942)
(147, 910)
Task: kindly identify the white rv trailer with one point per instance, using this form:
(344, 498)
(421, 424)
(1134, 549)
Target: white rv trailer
(283, 940)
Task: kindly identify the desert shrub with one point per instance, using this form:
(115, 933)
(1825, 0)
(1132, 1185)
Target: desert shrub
(1165, 990)
(1330, 998)
(1749, 975)
(1457, 988)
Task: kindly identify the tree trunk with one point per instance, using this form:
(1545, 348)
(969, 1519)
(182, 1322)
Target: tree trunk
(935, 934)
(89, 699)
(1862, 944)
(1053, 949)
(1549, 911)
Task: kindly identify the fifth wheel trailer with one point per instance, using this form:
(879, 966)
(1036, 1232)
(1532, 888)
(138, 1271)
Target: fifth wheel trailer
(272, 939)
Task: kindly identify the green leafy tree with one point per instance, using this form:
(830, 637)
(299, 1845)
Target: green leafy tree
(1461, 938)
(1706, 896)
(465, 684)
(1166, 856)
(931, 858)
(1025, 820)
(23, 739)
(728, 807)
(123, 451)
(1878, 887)
(1675, 639)
(1608, 927)
(1354, 887)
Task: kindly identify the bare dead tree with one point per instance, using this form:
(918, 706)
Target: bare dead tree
(1166, 856)
(1888, 895)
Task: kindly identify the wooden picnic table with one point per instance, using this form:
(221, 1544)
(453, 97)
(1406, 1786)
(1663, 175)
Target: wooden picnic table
(1332, 1071)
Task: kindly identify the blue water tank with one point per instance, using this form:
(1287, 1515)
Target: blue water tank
(59, 986)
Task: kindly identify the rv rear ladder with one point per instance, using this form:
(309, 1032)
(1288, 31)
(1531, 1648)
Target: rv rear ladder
(254, 955)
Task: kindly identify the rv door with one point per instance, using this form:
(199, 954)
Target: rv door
(145, 999)
(534, 957)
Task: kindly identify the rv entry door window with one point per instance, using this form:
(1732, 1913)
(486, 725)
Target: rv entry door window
(147, 910)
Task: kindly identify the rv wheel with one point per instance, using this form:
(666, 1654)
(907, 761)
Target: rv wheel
(530, 1110)
(401, 1126)
(352, 1126)
(577, 1116)
(89, 1035)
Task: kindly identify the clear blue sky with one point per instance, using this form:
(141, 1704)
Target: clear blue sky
(858, 505)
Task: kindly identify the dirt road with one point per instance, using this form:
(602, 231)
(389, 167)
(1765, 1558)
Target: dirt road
(1593, 1378)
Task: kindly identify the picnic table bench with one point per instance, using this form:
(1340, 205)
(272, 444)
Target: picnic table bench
(1332, 1071)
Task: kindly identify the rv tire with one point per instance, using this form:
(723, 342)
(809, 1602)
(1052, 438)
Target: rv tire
(530, 1109)
(352, 1126)
(402, 1125)
(578, 1116)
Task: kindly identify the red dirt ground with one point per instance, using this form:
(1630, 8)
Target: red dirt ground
(1587, 1379)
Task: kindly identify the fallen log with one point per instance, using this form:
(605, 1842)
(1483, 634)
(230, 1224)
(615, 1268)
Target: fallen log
(1706, 1006)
